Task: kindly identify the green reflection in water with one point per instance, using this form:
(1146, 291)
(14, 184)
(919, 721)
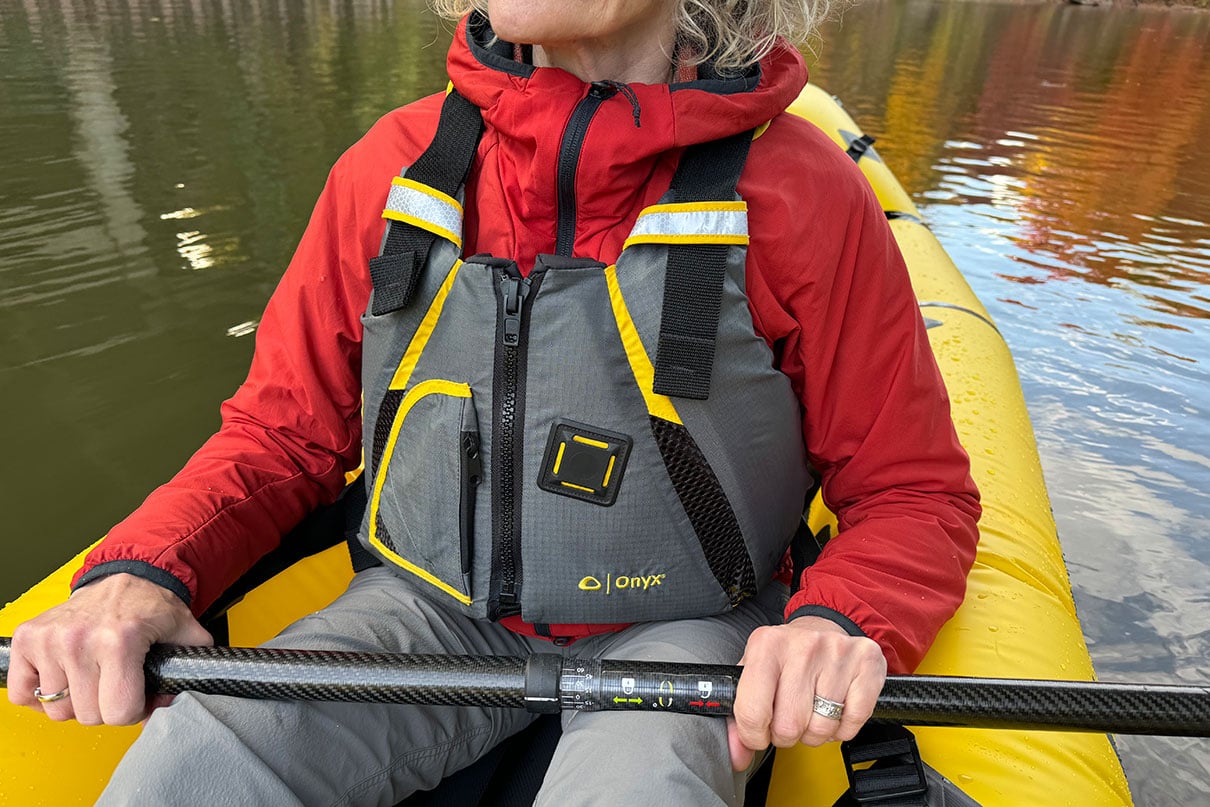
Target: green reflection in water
(161, 160)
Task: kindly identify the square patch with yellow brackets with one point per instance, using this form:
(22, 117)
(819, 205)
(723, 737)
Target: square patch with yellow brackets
(584, 462)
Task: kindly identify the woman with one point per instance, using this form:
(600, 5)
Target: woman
(624, 394)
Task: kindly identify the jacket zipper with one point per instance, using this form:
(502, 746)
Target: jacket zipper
(569, 161)
(509, 396)
(509, 393)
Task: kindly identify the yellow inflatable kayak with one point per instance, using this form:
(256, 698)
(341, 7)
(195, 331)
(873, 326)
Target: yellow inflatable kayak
(1018, 620)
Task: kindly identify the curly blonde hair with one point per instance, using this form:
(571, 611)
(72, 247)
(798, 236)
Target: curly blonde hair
(733, 34)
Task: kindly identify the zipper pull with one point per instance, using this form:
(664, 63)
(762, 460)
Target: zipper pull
(604, 89)
(472, 459)
(512, 297)
(607, 89)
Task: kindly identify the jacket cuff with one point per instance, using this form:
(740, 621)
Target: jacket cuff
(138, 568)
(840, 619)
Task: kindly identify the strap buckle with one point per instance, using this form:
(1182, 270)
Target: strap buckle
(896, 776)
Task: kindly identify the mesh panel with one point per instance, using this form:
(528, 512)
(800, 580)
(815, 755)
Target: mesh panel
(709, 512)
(384, 535)
(382, 428)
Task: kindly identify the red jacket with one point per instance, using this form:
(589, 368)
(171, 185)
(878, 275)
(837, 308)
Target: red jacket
(827, 288)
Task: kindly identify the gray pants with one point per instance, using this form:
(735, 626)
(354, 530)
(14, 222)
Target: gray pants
(216, 750)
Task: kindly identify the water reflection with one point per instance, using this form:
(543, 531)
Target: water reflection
(1057, 157)
(161, 158)
(1085, 127)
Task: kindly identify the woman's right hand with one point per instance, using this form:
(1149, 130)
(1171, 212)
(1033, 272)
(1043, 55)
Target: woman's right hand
(94, 646)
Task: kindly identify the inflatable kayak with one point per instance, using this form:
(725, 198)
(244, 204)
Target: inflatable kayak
(1018, 620)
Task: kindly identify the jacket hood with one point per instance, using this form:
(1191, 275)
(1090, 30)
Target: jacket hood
(619, 158)
(484, 70)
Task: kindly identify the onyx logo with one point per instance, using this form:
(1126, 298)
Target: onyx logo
(622, 582)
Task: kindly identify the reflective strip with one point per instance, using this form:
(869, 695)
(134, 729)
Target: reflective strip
(640, 365)
(692, 223)
(427, 208)
(412, 355)
(431, 387)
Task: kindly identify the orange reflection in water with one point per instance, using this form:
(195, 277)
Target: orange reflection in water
(1085, 126)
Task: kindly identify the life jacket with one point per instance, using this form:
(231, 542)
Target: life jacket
(579, 442)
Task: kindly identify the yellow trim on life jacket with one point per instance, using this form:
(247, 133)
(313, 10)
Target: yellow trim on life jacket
(429, 190)
(676, 223)
(423, 224)
(412, 355)
(695, 207)
(700, 238)
(660, 406)
(425, 207)
(424, 388)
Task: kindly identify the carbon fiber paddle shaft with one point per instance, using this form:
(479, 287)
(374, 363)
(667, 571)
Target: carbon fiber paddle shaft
(540, 683)
(1160, 709)
(549, 683)
(318, 675)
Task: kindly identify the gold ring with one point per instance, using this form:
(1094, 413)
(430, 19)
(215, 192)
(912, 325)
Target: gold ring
(52, 696)
(823, 707)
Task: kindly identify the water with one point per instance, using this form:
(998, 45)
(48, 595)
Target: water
(160, 160)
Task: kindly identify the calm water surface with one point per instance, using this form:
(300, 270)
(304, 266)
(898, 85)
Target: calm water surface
(160, 160)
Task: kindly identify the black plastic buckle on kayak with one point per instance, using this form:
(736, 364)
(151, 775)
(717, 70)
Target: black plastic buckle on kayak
(895, 775)
(859, 146)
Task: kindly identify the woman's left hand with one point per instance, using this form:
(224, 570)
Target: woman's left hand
(785, 667)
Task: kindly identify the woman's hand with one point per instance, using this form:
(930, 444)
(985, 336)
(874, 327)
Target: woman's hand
(785, 668)
(94, 646)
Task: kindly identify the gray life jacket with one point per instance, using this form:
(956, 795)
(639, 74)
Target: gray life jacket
(525, 451)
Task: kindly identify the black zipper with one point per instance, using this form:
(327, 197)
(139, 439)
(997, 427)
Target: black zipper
(508, 448)
(569, 161)
(472, 472)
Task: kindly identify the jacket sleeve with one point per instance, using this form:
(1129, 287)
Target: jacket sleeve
(839, 308)
(288, 434)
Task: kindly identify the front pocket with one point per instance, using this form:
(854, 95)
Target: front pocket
(422, 506)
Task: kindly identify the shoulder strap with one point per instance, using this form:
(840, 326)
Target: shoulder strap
(693, 284)
(443, 166)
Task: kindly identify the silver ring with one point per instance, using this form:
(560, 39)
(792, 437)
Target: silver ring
(51, 697)
(826, 708)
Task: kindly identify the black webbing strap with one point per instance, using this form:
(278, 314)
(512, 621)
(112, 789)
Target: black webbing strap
(444, 166)
(693, 281)
(896, 777)
(805, 549)
(807, 545)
